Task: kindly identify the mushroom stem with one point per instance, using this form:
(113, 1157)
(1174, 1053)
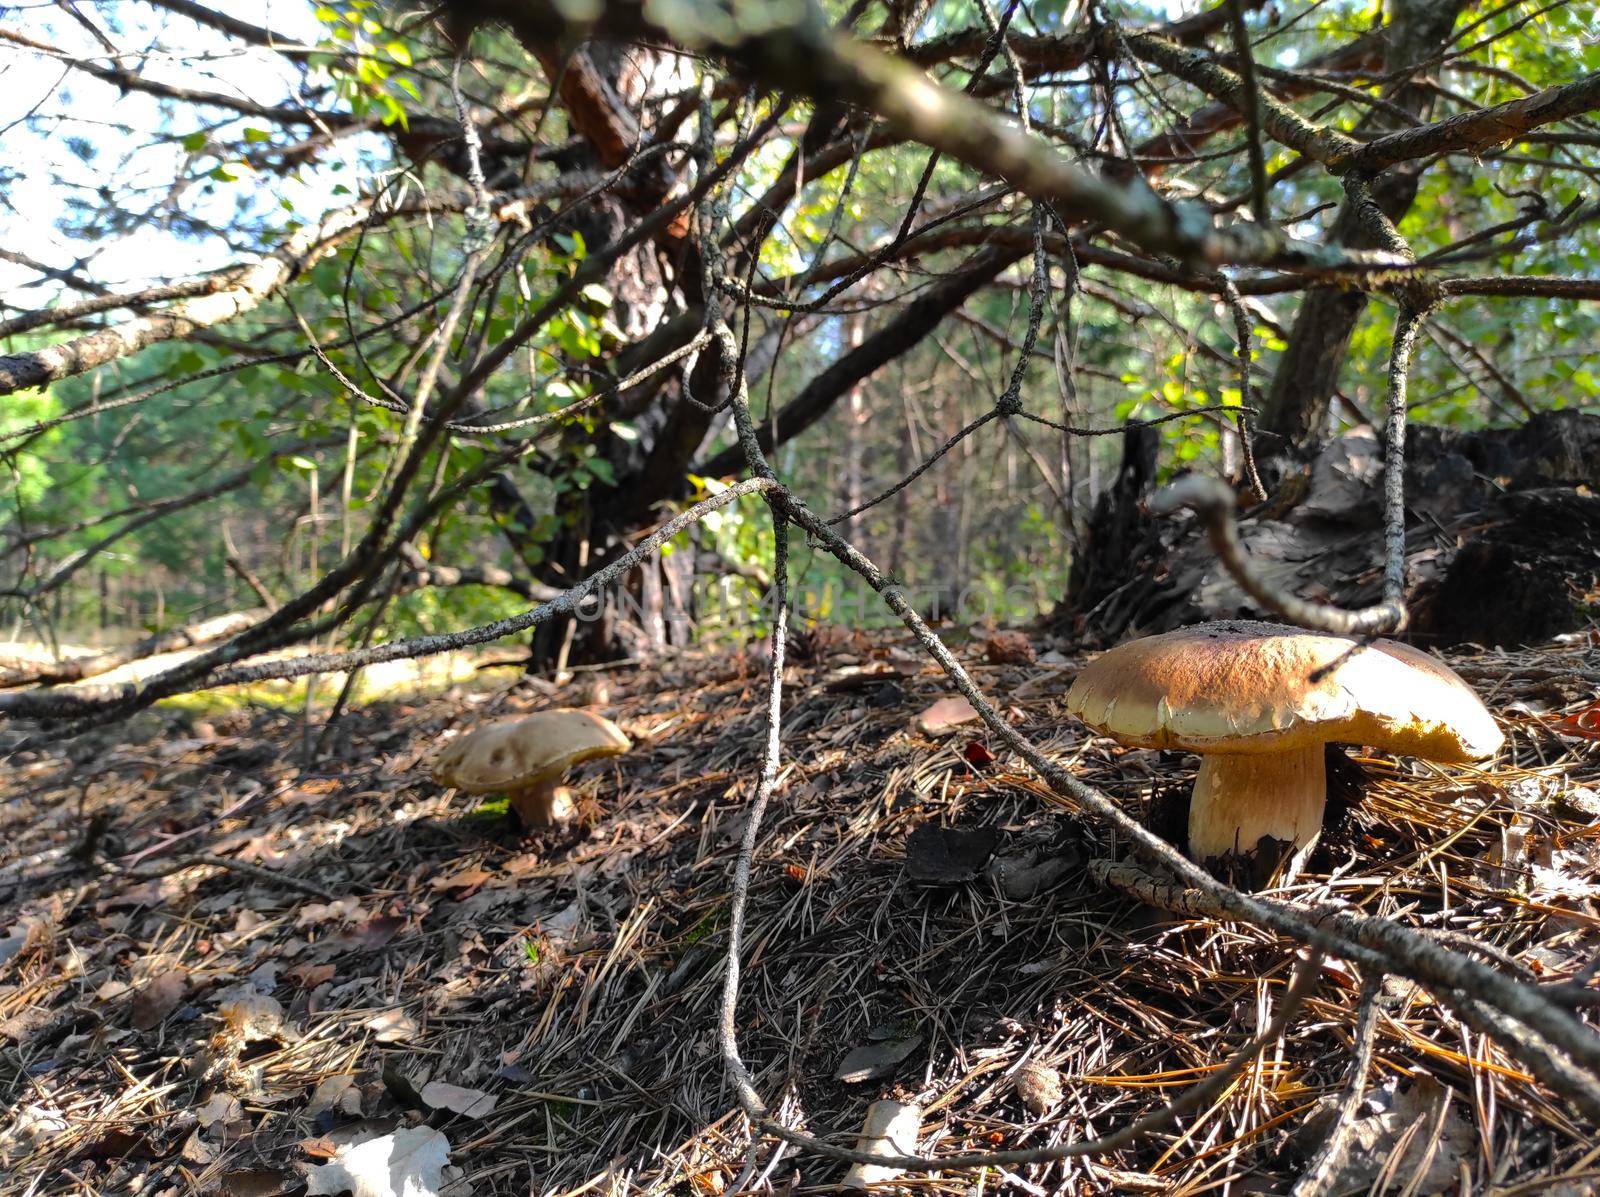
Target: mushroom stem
(1240, 798)
(535, 803)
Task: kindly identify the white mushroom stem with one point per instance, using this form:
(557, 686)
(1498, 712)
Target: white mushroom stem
(1239, 798)
(541, 803)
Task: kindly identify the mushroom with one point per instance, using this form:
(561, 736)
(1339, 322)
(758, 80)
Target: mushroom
(526, 758)
(1259, 701)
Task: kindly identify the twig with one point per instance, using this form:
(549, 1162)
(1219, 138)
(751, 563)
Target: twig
(245, 574)
(1213, 503)
(1252, 111)
(1320, 1173)
(1246, 423)
(255, 872)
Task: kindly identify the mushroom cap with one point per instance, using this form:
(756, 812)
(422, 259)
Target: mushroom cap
(520, 752)
(1241, 686)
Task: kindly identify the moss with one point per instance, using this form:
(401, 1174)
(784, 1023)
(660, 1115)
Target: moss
(278, 696)
(493, 808)
(711, 922)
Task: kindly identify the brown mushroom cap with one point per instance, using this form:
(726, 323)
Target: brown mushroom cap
(1241, 686)
(515, 753)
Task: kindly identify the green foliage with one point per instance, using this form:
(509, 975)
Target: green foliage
(375, 83)
(1141, 349)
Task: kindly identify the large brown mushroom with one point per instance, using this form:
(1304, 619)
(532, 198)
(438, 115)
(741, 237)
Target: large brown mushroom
(526, 758)
(1259, 701)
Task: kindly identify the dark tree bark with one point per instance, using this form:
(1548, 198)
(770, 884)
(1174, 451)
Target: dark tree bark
(1118, 531)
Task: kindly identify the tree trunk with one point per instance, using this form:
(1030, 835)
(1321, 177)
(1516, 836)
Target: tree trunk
(1117, 531)
(1300, 402)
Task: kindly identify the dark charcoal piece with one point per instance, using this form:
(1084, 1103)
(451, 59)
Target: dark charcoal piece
(947, 855)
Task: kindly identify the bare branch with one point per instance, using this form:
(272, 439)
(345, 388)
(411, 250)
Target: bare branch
(1474, 131)
(242, 291)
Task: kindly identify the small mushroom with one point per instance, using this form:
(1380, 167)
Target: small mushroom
(1259, 701)
(526, 758)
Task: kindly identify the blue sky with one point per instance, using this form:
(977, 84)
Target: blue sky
(131, 136)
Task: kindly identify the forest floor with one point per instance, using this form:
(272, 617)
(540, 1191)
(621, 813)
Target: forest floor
(224, 972)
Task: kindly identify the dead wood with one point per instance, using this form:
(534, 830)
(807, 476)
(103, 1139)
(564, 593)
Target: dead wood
(1500, 539)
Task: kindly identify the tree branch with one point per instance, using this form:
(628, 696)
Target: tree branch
(907, 329)
(1473, 131)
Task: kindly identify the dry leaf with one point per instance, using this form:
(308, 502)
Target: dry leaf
(13, 944)
(392, 1026)
(947, 855)
(157, 999)
(343, 909)
(709, 1184)
(1009, 648)
(1584, 724)
(472, 1103)
(335, 1093)
(262, 851)
(408, 1163)
(466, 879)
(1441, 1136)
(1024, 875)
(219, 1108)
(33, 1127)
(309, 976)
(873, 1060)
(256, 1182)
(945, 714)
(375, 933)
(527, 862)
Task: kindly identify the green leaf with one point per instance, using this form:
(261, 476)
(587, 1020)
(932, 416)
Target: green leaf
(393, 113)
(194, 142)
(255, 135)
